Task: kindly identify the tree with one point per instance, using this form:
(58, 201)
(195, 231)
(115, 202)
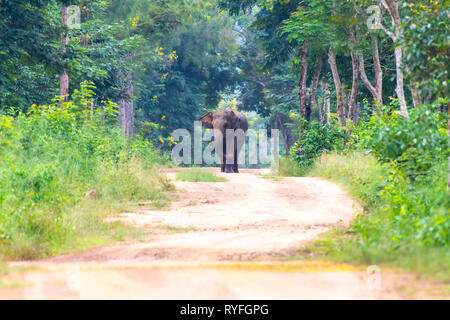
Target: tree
(64, 77)
(392, 7)
(377, 89)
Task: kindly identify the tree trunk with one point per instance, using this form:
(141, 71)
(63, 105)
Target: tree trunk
(126, 112)
(284, 132)
(352, 106)
(392, 7)
(302, 83)
(321, 110)
(400, 86)
(338, 87)
(312, 97)
(64, 78)
(415, 94)
(326, 103)
(377, 90)
(448, 132)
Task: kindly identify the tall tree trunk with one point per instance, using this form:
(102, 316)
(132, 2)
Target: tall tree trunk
(284, 132)
(338, 87)
(352, 106)
(64, 78)
(377, 90)
(302, 83)
(417, 100)
(326, 103)
(392, 8)
(400, 86)
(448, 132)
(126, 112)
(312, 97)
(321, 110)
(277, 125)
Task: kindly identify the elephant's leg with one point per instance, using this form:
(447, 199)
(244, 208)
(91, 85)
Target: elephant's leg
(223, 164)
(235, 165)
(227, 161)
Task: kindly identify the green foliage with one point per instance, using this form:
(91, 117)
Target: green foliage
(31, 57)
(414, 144)
(198, 175)
(51, 157)
(315, 140)
(427, 46)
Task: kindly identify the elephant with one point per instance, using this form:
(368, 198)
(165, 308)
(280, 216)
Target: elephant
(231, 123)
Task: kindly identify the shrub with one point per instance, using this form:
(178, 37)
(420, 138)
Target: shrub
(414, 144)
(314, 140)
(50, 157)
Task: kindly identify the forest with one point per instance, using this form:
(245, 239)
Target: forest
(91, 91)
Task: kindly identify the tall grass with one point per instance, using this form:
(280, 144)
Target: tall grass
(288, 167)
(63, 168)
(198, 175)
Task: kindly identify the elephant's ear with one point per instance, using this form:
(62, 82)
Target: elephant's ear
(207, 120)
(237, 123)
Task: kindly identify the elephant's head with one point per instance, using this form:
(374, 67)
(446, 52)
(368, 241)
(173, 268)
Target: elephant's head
(221, 120)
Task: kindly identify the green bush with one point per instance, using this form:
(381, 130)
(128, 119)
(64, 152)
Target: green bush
(51, 157)
(314, 140)
(414, 144)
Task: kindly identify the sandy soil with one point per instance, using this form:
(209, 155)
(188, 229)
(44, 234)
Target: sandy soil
(222, 240)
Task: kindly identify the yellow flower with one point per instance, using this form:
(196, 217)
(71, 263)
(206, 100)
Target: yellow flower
(161, 139)
(208, 17)
(163, 117)
(223, 12)
(155, 97)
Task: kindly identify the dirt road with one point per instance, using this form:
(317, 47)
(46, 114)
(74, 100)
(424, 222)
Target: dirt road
(221, 240)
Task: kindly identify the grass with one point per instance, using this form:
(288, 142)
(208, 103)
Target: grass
(63, 171)
(179, 229)
(288, 167)
(198, 175)
(373, 238)
(83, 225)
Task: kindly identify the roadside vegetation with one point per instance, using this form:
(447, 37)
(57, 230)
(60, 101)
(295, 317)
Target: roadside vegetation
(198, 175)
(63, 169)
(397, 170)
